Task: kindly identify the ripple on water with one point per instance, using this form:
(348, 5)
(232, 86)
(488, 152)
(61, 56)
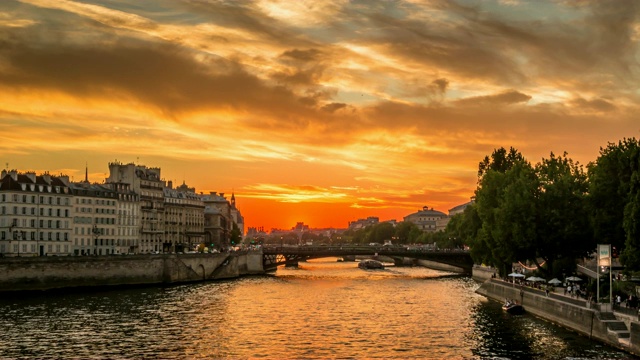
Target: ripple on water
(322, 310)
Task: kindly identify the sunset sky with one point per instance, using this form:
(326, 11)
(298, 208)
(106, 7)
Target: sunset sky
(315, 111)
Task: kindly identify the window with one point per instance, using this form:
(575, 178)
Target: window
(24, 198)
(41, 236)
(49, 236)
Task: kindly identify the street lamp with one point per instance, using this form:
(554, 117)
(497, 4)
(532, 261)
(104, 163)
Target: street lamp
(96, 235)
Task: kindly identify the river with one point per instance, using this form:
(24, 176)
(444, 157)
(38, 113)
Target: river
(323, 309)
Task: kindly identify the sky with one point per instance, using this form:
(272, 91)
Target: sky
(321, 112)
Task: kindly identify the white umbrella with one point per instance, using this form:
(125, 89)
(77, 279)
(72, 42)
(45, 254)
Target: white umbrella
(573, 278)
(555, 281)
(535, 279)
(516, 275)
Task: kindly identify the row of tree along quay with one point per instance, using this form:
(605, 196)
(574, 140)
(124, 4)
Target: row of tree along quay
(552, 214)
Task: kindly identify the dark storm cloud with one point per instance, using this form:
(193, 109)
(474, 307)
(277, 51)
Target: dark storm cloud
(159, 75)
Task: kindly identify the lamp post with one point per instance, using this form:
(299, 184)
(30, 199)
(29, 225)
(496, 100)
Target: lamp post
(96, 235)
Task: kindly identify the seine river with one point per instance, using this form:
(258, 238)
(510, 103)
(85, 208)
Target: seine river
(324, 309)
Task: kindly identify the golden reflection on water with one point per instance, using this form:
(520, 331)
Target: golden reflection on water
(324, 309)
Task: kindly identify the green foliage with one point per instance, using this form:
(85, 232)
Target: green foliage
(610, 191)
(527, 213)
(563, 227)
(630, 256)
(235, 236)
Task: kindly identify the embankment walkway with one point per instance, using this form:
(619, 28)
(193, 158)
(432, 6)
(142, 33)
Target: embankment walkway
(613, 328)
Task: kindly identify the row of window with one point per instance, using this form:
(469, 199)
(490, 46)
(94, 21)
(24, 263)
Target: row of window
(31, 235)
(16, 248)
(32, 211)
(97, 201)
(98, 211)
(32, 199)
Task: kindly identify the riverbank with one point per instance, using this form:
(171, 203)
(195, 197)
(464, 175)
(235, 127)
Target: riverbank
(48, 273)
(574, 314)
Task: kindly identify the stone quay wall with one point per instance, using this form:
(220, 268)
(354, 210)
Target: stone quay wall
(581, 319)
(47, 273)
(439, 266)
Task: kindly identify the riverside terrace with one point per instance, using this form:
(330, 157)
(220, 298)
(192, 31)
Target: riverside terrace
(290, 255)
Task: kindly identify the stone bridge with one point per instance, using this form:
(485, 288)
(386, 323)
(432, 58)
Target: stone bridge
(273, 256)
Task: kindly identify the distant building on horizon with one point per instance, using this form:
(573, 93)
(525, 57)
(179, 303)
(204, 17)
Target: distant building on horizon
(363, 223)
(426, 219)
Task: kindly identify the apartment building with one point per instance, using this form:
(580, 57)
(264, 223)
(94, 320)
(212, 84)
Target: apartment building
(148, 184)
(183, 218)
(94, 219)
(35, 214)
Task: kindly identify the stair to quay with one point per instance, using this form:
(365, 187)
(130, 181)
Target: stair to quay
(616, 327)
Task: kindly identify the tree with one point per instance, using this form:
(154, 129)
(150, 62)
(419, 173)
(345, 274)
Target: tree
(563, 228)
(381, 232)
(630, 256)
(407, 232)
(506, 188)
(235, 236)
(610, 191)
(537, 214)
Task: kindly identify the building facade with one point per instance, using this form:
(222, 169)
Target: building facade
(217, 220)
(132, 212)
(35, 214)
(94, 219)
(184, 218)
(147, 183)
(426, 219)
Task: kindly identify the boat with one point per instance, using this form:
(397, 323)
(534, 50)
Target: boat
(513, 307)
(370, 264)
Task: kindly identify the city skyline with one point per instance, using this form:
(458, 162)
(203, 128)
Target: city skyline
(320, 112)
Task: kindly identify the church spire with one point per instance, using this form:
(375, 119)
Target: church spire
(86, 172)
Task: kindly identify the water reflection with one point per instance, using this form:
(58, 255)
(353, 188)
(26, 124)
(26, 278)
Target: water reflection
(324, 309)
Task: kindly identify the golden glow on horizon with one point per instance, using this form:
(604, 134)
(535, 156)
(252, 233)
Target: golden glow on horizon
(323, 112)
